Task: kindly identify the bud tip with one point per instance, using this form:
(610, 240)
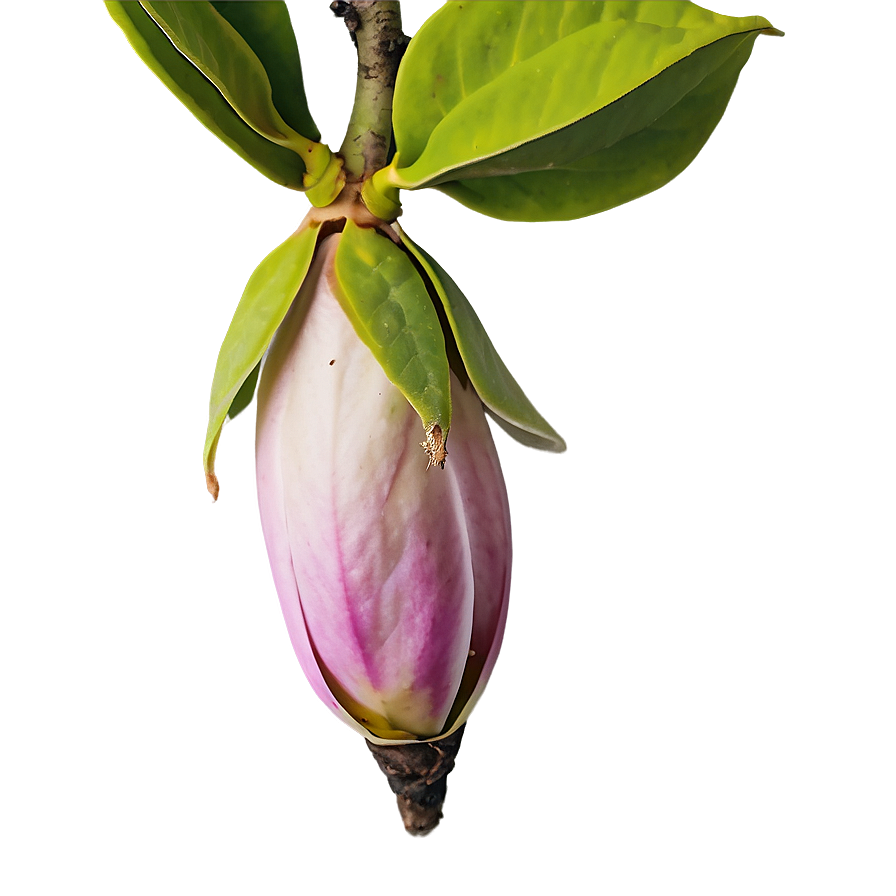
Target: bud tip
(211, 483)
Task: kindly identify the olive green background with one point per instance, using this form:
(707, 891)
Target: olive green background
(699, 646)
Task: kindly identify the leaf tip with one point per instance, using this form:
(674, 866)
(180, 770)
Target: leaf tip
(211, 483)
(434, 446)
(772, 31)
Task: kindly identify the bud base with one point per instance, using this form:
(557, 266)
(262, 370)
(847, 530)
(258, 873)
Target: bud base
(417, 775)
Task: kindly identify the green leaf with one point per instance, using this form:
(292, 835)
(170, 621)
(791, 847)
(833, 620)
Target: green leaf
(265, 26)
(387, 302)
(202, 98)
(637, 165)
(217, 49)
(498, 89)
(246, 393)
(267, 297)
(491, 379)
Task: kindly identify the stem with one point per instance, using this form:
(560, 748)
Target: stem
(375, 26)
(416, 774)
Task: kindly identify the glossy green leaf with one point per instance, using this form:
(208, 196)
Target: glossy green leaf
(633, 167)
(497, 89)
(387, 302)
(265, 26)
(491, 379)
(202, 98)
(265, 301)
(217, 49)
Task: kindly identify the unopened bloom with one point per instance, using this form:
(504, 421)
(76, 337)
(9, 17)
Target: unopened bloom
(393, 578)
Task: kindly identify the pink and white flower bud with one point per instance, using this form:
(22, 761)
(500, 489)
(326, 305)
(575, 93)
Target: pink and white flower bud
(393, 578)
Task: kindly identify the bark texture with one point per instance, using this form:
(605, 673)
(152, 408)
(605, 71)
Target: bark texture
(375, 28)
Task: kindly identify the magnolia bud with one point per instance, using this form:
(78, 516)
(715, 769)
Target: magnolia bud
(393, 578)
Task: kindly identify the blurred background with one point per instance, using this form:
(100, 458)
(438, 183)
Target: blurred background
(696, 692)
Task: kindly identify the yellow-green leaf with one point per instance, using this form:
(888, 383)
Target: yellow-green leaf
(632, 167)
(491, 379)
(389, 306)
(265, 301)
(495, 88)
(202, 98)
(246, 393)
(266, 27)
(218, 50)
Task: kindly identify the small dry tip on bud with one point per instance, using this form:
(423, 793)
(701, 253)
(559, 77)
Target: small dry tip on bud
(434, 446)
(211, 483)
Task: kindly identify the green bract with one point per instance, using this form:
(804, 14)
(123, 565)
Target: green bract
(386, 300)
(491, 379)
(266, 299)
(556, 110)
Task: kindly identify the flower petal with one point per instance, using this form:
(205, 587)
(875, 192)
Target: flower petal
(380, 556)
(474, 460)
